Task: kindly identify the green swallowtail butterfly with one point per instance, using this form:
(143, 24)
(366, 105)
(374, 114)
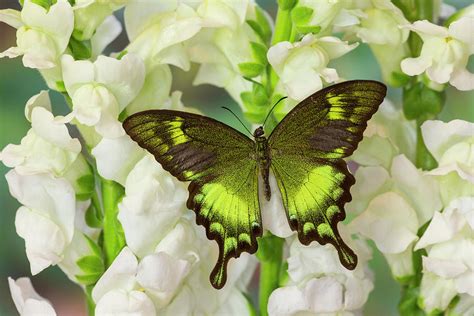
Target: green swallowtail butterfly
(305, 152)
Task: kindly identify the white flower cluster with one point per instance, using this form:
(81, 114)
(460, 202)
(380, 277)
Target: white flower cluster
(403, 209)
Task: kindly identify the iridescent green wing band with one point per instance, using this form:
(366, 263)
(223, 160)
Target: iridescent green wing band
(220, 163)
(307, 148)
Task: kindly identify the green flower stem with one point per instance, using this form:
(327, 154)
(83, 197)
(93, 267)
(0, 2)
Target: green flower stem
(89, 300)
(271, 255)
(424, 159)
(114, 239)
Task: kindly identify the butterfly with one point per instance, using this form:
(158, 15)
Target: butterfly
(304, 151)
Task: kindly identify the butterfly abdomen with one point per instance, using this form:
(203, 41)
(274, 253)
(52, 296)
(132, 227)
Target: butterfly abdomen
(264, 162)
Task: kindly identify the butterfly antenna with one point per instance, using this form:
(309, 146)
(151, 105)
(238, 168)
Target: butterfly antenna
(268, 115)
(226, 108)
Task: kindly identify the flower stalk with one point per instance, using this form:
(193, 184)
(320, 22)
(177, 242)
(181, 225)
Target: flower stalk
(270, 254)
(114, 239)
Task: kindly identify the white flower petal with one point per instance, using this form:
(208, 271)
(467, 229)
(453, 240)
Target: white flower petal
(462, 30)
(124, 77)
(390, 221)
(421, 190)
(435, 292)
(119, 276)
(116, 157)
(105, 34)
(440, 136)
(41, 99)
(44, 240)
(58, 21)
(425, 27)
(49, 196)
(11, 17)
(286, 301)
(273, 213)
(161, 274)
(27, 301)
(415, 66)
(153, 201)
(462, 79)
(120, 302)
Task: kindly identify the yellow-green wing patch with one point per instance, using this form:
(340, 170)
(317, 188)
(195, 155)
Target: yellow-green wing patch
(220, 163)
(314, 193)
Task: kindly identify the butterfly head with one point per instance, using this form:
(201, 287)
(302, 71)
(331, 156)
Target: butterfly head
(259, 132)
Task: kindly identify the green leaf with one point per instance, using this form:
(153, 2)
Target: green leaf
(80, 49)
(257, 29)
(91, 217)
(301, 15)
(308, 29)
(264, 24)
(86, 186)
(421, 102)
(251, 70)
(260, 97)
(91, 264)
(259, 52)
(93, 246)
(408, 305)
(398, 79)
(88, 279)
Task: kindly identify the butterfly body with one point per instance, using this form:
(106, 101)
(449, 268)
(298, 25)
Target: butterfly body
(263, 159)
(304, 152)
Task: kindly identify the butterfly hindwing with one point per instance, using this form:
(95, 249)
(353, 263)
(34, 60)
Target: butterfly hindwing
(220, 163)
(307, 148)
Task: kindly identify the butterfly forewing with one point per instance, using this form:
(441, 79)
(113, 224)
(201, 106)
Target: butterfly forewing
(220, 163)
(307, 148)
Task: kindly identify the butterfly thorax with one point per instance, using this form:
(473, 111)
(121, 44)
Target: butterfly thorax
(263, 159)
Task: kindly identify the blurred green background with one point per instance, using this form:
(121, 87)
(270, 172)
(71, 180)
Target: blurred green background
(18, 84)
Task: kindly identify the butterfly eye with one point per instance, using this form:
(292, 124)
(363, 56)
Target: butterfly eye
(258, 132)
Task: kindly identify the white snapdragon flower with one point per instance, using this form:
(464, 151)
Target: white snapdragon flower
(47, 147)
(452, 145)
(380, 27)
(27, 301)
(321, 16)
(445, 53)
(393, 208)
(171, 281)
(90, 14)
(46, 219)
(101, 90)
(222, 13)
(449, 265)
(153, 201)
(43, 35)
(387, 135)
(215, 68)
(314, 53)
(117, 290)
(116, 157)
(156, 31)
(319, 284)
